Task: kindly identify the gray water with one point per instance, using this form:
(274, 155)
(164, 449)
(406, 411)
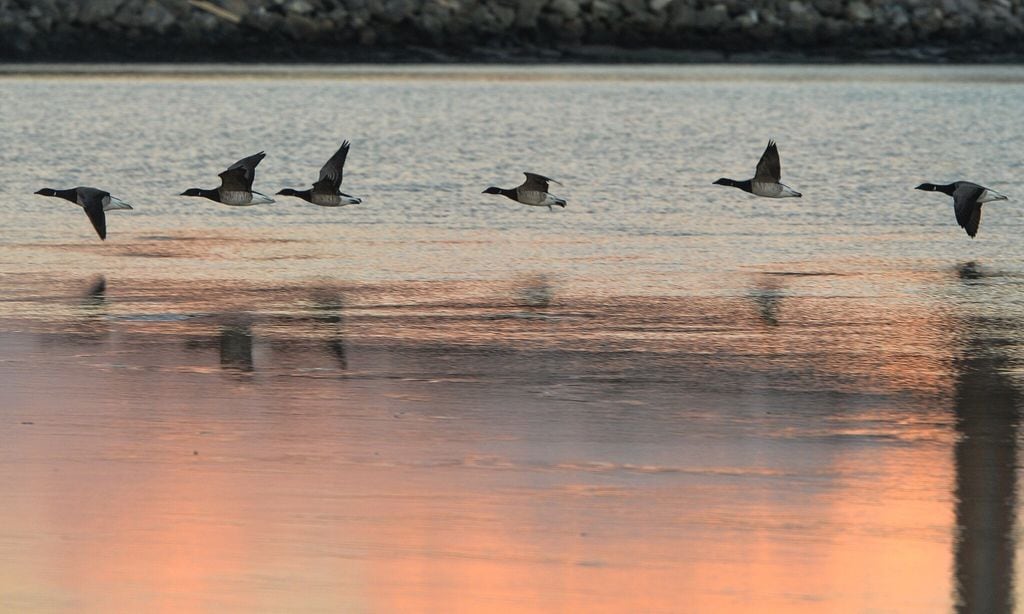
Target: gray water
(669, 396)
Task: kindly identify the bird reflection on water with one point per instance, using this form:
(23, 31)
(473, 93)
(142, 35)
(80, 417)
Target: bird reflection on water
(987, 408)
(89, 319)
(97, 292)
(969, 271)
(535, 291)
(767, 296)
(293, 334)
(236, 346)
(331, 306)
(321, 323)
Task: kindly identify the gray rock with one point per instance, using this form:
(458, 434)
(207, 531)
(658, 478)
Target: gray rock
(605, 10)
(568, 9)
(829, 8)
(927, 20)
(633, 7)
(527, 12)
(95, 11)
(391, 11)
(859, 12)
(712, 17)
(358, 18)
(681, 15)
(504, 16)
(298, 7)
(897, 17)
(950, 6)
(155, 17)
(48, 9)
(263, 20)
(299, 27)
(749, 19)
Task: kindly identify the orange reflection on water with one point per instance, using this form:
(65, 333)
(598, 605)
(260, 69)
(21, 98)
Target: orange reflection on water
(316, 484)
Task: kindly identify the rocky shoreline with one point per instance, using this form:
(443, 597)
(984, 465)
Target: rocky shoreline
(510, 30)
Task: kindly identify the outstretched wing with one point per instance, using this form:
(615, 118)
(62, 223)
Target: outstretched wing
(768, 168)
(536, 183)
(239, 176)
(91, 200)
(331, 173)
(967, 207)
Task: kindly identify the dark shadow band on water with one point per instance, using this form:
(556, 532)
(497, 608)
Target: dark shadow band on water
(987, 411)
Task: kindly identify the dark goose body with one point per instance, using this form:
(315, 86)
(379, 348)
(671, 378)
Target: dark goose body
(94, 201)
(532, 192)
(235, 185)
(967, 201)
(326, 192)
(767, 181)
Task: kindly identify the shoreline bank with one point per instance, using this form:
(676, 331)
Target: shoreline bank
(497, 31)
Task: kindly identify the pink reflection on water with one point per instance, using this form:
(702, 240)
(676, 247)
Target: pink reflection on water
(527, 451)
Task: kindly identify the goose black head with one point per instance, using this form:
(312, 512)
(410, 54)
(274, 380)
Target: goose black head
(724, 181)
(47, 192)
(947, 189)
(287, 192)
(193, 192)
(492, 190)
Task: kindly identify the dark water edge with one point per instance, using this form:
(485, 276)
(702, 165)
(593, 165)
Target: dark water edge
(84, 50)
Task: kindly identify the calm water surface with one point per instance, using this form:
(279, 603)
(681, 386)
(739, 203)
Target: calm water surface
(669, 397)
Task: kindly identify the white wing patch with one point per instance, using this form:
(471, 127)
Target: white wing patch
(990, 195)
(111, 203)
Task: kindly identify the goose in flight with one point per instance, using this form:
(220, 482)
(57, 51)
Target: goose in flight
(94, 201)
(533, 192)
(767, 177)
(235, 185)
(967, 200)
(326, 192)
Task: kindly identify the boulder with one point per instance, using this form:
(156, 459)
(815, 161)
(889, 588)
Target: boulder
(299, 7)
(712, 18)
(262, 20)
(858, 12)
(567, 9)
(299, 27)
(527, 12)
(391, 11)
(95, 11)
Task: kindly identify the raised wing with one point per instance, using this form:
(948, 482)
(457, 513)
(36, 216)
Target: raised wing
(536, 183)
(239, 176)
(331, 173)
(967, 207)
(91, 200)
(768, 168)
